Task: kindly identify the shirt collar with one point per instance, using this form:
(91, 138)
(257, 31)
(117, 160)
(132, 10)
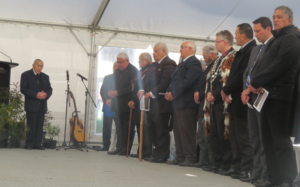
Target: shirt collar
(246, 44)
(162, 59)
(34, 72)
(267, 40)
(187, 58)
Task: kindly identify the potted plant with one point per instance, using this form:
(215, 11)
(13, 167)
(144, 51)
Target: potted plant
(47, 123)
(53, 131)
(4, 98)
(23, 129)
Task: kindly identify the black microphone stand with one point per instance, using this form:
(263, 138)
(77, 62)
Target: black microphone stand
(83, 144)
(64, 144)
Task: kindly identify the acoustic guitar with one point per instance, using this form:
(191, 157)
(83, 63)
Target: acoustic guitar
(78, 131)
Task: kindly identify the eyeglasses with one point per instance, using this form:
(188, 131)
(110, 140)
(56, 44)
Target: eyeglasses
(219, 41)
(121, 62)
(183, 47)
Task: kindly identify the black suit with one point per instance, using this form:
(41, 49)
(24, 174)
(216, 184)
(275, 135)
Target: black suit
(184, 81)
(205, 156)
(35, 108)
(277, 74)
(108, 84)
(124, 86)
(157, 81)
(238, 124)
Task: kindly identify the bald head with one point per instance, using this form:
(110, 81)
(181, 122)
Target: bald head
(38, 66)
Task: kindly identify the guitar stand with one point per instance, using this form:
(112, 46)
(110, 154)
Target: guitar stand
(83, 144)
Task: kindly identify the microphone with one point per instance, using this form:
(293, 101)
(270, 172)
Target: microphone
(7, 56)
(67, 75)
(81, 76)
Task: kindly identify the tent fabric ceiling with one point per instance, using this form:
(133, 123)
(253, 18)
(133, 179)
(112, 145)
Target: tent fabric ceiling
(198, 18)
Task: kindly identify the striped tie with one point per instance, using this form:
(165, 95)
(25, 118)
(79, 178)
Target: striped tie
(248, 78)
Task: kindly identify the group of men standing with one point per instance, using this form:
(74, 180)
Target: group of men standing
(234, 138)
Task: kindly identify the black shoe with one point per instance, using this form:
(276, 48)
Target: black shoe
(215, 169)
(229, 172)
(198, 165)
(39, 148)
(28, 147)
(173, 162)
(241, 175)
(186, 163)
(158, 160)
(250, 179)
(286, 185)
(207, 168)
(113, 152)
(148, 158)
(264, 184)
(103, 149)
(134, 155)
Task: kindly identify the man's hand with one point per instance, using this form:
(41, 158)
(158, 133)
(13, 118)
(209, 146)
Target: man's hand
(147, 95)
(140, 94)
(227, 100)
(41, 95)
(246, 92)
(168, 96)
(131, 104)
(210, 97)
(245, 99)
(257, 91)
(196, 97)
(223, 95)
(108, 102)
(112, 93)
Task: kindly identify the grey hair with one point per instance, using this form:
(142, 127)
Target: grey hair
(226, 35)
(162, 46)
(123, 55)
(191, 45)
(36, 60)
(210, 49)
(286, 11)
(147, 56)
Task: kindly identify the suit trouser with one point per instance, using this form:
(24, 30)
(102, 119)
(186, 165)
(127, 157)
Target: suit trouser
(259, 158)
(240, 144)
(159, 134)
(147, 145)
(184, 129)
(35, 121)
(122, 122)
(205, 156)
(221, 150)
(280, 154)
(107, 124)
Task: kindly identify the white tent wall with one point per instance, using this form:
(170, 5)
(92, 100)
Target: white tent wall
(60, 51)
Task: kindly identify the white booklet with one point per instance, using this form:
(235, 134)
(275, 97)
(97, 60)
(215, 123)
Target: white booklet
(260, 100)
(144, 104)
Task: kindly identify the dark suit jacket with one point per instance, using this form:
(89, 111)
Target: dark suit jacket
(29, 88)
(124, 82)
(201, 89)
(108, 84)
(234, 85)
(184, 81)
(157, 81)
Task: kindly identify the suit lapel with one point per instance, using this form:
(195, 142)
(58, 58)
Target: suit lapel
(180, 66)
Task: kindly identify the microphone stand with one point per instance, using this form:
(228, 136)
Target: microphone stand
(83, 144)
(64, 144)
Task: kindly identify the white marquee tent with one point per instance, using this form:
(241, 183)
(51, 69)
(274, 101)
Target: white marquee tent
(66, 34)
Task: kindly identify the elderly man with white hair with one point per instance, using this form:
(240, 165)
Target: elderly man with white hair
(124, 76)
(181, 92)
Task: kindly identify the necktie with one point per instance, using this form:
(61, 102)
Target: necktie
(249, 78)
(38, 78)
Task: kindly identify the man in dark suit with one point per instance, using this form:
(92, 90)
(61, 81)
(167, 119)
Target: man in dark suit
(210, 54)
(37, 89)
(262, 29)
(144, 61)
(231, 94)
(276, 73)
(108, 117)
(124, 78)
(156, 82)
(216, 114)
(184, 81)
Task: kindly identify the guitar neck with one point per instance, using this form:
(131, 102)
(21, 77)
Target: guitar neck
(75, 108)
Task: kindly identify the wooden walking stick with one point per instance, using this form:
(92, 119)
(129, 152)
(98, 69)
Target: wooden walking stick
(128, 142)
(141, 136)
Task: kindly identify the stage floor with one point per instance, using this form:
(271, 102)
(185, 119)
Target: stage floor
(35, 168)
